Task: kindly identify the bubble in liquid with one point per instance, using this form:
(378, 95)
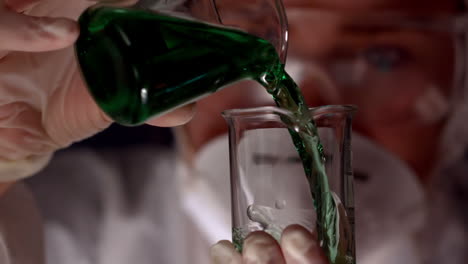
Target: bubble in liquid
(280, 204)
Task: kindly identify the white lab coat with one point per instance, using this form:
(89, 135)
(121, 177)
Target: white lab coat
(115, 207)
(135, 206)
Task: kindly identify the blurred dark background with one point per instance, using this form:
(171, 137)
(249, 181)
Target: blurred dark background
(117, 136)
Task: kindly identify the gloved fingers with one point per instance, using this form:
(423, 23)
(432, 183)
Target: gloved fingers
(224, 252)
(72, 114)
(301, 247)
(177, 117)
(20, 32)
(21, 5)
(116, 2)
(261, 248)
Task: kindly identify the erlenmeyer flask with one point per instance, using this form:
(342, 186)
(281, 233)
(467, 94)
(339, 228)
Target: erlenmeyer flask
(155, 56)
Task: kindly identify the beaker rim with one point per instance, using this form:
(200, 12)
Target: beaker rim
(265, 110)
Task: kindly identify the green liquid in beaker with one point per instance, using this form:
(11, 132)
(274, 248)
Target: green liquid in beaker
(139, 64)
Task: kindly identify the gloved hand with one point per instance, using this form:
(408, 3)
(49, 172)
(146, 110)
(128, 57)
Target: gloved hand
(44, 104)
(297, 246)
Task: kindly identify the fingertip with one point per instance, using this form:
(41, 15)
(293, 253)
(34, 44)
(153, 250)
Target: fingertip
(224, 252)
(296, 236)
(177, 117)
(301, 246)
(296, 229)
(260, 247)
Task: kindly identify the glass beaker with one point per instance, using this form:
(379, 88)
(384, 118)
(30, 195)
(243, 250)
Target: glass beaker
(269, 188)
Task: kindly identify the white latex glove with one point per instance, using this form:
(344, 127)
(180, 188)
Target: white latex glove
(297, 246)
(44, 104)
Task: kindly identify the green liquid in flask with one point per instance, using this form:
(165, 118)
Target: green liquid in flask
(140, 64)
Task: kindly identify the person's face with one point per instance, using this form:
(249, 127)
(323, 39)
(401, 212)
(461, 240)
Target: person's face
(399, 73)
(352, 53)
